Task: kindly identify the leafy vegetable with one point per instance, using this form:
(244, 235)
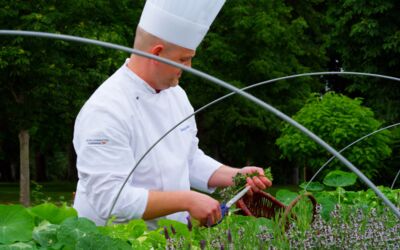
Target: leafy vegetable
(338, 178)
(72, 229)
(127, 231)
(45, 234)
(286, 196)
(52, 213)
(19, 246)
(16, 224)
(101, 242)
(312, 186)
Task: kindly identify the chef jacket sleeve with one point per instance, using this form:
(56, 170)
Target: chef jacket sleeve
(201, 166)
(104, 161)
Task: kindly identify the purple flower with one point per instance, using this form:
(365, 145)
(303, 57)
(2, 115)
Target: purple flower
(229, 236)
(173, 230)
(189, 224)
(203, 244)
(166, 233)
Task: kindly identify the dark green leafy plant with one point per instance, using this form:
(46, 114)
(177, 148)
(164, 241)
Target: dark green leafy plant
(338, 120)
(52, 213)
(239, 181)
(45, 234)
(235, 231)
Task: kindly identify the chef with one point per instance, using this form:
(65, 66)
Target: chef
(132, 109)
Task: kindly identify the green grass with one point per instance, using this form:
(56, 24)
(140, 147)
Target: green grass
(53, 191)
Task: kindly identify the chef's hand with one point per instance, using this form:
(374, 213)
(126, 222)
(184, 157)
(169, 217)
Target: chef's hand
(257, 183)
(203, 208)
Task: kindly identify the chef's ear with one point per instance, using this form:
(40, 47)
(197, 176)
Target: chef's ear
(156, 50)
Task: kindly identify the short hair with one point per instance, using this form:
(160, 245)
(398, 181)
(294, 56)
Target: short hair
(144, 41)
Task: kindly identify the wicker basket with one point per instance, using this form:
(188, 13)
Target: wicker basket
(262, 204)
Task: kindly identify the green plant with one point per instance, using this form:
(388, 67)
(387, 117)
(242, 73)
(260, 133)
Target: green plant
(239, 181)
(48, 226)
(338, 120)
(37, 194)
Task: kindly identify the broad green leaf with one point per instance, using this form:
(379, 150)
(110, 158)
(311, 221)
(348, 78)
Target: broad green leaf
(314, 186)
(155, 238)
(338, 178)
(129, 231)
(100, 242)
(72, 229)
(19, 246)
(45, 234)
(286, 196)
(16, 224)
(52, 213)
(327, 202)
(180, 228)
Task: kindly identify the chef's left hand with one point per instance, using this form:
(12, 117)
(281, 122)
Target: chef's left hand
(257, 183)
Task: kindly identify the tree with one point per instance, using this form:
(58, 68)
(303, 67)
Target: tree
(338, 120)
(250, 42)
(364, 36)
(45, 82)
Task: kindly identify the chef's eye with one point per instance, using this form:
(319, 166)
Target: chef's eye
(185, 59)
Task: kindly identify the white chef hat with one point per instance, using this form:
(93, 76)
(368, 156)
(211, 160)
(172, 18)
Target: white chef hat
(181, 22)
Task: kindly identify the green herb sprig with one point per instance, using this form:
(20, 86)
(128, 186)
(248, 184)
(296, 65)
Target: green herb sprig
(239, 181)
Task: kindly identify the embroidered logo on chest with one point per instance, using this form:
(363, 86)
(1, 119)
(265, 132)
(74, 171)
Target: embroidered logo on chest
(184, 128)
(100, 141)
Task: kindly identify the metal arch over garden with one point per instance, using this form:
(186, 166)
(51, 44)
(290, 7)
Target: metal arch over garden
(348, 146)
(231, 88)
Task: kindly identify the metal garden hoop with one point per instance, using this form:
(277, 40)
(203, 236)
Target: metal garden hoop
(227, 86)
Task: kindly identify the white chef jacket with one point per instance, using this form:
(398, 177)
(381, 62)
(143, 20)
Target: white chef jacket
(115, 127)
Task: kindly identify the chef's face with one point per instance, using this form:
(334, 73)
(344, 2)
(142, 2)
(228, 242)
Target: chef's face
(168, 76)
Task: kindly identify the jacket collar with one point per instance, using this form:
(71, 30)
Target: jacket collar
(144, 86)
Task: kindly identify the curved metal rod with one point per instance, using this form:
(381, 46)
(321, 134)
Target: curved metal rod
(228, 95)
(343, 149)
(229, 87)
(395, 178)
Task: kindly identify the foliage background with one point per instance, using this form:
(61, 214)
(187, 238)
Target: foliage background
(43, 83)
(339, 121)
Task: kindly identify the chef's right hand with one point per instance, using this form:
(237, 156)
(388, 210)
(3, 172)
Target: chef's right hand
(203, 208)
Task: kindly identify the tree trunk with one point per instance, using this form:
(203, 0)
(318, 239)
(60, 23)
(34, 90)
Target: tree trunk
(24, 167)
